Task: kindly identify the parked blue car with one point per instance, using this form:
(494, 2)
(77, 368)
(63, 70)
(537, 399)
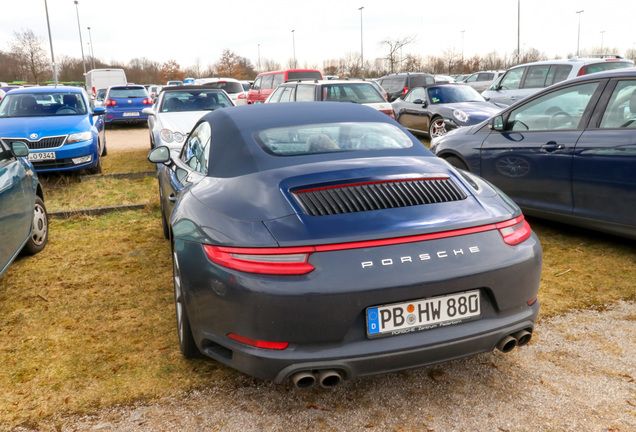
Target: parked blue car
(125, 103)
(23, 219)
(567, 153)
(58, 126)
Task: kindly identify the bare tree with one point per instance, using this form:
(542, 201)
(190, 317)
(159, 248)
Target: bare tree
(394, 58)
(30, 56)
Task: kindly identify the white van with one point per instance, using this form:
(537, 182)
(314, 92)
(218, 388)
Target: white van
(103, 78)
(526, 79)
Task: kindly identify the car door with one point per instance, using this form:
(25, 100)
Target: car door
(17, 201)
(531, 158)
(604, 166)
(411, 111)
(506, 91)
(189, 169)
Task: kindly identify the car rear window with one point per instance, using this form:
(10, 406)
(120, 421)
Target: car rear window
(605, 66)
(303, 74)
(421, 81)
(128, 92)
(357, 92)
(331, 137)
(228, 86)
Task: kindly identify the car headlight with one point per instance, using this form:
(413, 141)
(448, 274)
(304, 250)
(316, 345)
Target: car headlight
(77, 137)
(460, 115)
(168, 136)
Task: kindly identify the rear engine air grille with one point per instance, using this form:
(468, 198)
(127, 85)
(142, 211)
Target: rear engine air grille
(377, 196)
(44, 143)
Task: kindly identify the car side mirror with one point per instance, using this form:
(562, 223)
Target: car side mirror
(497, 123)
(99, 110)
(148, 111)
(159, 154)
(19, 149)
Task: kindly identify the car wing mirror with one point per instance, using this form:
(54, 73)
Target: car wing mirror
(19, 149)
(496, 123)
(99, 110)
(148, 111)
(159, 154)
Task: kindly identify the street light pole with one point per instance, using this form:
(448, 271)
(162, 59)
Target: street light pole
(578, 39)
(518, 31)
(462, 32)
(294, 45)
(259, 57)
(80, 34)
(92, 51)
(48, 24)
(361, 45)
(602, 34)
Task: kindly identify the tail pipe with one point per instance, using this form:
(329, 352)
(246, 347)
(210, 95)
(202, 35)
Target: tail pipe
(517, 339)
(329, 378)
(303, 380)
(326, 378)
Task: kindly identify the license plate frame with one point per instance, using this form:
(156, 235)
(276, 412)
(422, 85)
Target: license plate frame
(131, 114)
(41, 156)
(422, 314)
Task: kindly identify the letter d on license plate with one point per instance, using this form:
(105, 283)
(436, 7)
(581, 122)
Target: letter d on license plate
(422, 314)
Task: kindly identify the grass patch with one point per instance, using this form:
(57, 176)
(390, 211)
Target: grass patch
(124, 161)
(69, 193)
(89, 322)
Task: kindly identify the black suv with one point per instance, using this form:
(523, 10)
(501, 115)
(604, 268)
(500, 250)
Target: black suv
(398, 84)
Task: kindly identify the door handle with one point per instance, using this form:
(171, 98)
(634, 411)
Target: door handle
(172, 198)
(552, 147)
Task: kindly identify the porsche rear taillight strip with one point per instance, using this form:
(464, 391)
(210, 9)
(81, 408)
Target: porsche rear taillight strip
(294, 260)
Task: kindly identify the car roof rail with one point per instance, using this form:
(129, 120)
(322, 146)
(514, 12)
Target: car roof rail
(614, 56)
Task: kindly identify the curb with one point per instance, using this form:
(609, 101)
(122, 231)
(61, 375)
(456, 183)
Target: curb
(96, 211)
(132, 175)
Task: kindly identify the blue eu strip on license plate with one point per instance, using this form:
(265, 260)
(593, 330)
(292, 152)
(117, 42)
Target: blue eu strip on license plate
(422, 314)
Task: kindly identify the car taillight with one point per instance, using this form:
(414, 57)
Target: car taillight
(258, 343)
(110, 102)
(147, 101)
(406, 90)
(279, 261)
(242, 96)
(581, 71)
(94, 93)
(389, 113)
(514, 231)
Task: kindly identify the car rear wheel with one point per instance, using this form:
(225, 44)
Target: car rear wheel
(456, 162)
(186, 340)
(437, 128)
(40, 229)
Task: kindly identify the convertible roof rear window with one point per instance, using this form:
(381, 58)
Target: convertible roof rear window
(331, 137)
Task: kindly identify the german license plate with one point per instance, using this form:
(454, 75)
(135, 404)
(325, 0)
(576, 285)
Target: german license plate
(40, 156)
(131, 114)
(422, 314)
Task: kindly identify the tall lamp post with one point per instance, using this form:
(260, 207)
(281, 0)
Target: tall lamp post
(294, 46)
(602, 34)
(92, 51)
(518, 31)
(48, 25)
(80, 34)
(462, 32)
(259, 57)
(578, 39)
(361, 45)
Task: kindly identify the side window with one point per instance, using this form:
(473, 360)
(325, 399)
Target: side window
(416, 93)
(536, 76)
(266, 83)
(560, 109)
(512, 79)
(278, 80)
(4, 154)
(487, 76)
(257, 84)
(557, 74)
(275, 97)
(305, 93)
(621, 109)
(472, 78)
(196, 151)
(286, 95)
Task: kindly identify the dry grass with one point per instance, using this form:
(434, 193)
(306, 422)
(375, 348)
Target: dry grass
(124, 161)
(90, 321)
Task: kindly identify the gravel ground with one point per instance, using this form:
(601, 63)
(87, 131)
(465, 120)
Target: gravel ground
(577, 374)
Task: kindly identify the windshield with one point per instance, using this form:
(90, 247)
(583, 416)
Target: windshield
(194, 100)
(42, 104)
(453, 94)
(331, 137)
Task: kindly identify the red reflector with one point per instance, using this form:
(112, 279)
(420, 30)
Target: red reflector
(280, 261)
(532, 301)
(389, 113)
(515, 230)
(242, 96)
(257, 343)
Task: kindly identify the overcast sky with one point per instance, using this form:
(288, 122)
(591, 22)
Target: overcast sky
(187, 30)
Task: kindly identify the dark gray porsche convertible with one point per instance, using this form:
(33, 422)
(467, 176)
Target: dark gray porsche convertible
(321, 241)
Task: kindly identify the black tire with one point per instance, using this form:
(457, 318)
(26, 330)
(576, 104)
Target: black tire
(40, 229)
(437, 128)
(456, 162)
(186, 340)
(164, 221)
(104, 149)
(98, 168)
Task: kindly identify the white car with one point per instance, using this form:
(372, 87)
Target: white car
(233, 87)
(356, 91)
(177, 109)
